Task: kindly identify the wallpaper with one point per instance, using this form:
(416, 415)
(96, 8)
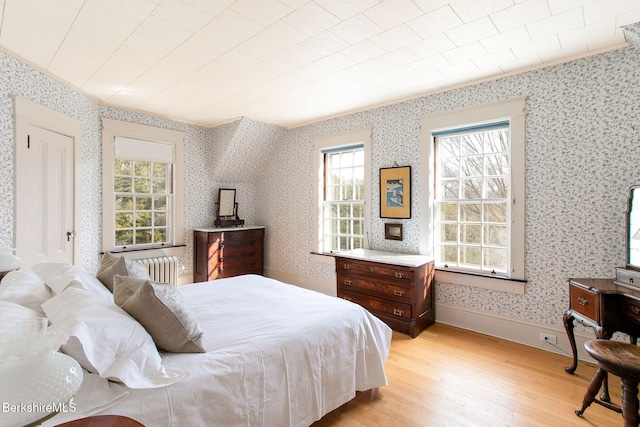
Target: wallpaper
(582, 153)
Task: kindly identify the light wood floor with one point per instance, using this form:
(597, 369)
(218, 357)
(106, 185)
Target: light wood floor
(452, 377)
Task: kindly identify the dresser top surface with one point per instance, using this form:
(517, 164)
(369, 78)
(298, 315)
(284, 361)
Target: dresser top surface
(218, 229)
(386, 257)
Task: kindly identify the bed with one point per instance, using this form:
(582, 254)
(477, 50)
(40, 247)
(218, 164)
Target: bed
(276, 354)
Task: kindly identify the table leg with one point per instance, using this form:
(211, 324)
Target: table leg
(568, 326)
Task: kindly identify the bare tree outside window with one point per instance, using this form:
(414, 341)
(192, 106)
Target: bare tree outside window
(472, 194)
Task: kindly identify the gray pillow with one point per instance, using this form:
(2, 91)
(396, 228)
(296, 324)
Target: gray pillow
(112, 265)
(161, 309)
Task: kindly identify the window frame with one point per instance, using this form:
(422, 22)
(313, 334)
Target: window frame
(114, 128)
(320, 145)
(512, 110)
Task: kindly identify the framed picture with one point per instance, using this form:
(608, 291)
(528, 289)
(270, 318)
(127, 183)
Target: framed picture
(393, 231)
(395, 192)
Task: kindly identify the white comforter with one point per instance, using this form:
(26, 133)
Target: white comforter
(277, 355)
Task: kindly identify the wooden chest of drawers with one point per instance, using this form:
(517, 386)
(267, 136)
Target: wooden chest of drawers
(396, 288)
(227, 252)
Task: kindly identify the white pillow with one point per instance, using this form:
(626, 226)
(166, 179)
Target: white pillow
(10, 313)
(24, 288)
(111, 343)
(58, 276)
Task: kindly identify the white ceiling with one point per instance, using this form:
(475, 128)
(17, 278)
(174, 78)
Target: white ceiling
(291, 62)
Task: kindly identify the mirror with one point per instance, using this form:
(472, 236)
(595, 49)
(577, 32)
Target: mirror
(633, 229)
(226, 202)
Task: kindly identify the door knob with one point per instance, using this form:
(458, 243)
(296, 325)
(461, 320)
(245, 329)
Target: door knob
(70, 234)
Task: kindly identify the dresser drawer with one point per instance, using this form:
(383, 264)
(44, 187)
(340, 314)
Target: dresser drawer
(378, 305)
(242, 234)
(583, 301)
(631, 309)
(394, 271)
(364, 283)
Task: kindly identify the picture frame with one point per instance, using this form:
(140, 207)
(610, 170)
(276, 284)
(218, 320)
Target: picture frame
(393, 231)
(395, 192)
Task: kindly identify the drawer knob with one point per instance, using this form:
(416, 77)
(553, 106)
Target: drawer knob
(346, 266)
(582, 301)
(398, 292)
(398, 312)
(635, 309)
(347, 282)
(399, 275)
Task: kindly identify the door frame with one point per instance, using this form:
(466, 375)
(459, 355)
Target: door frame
(31, 113)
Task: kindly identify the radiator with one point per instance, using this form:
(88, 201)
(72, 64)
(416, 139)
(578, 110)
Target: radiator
(163, 269)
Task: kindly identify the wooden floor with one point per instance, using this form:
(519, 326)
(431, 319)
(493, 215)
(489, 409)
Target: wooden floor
(452, 377)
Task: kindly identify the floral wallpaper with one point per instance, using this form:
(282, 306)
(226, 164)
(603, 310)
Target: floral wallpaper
(582, 153)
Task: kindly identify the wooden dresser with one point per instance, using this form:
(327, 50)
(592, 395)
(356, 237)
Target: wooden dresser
(227, 252)
(397, 288)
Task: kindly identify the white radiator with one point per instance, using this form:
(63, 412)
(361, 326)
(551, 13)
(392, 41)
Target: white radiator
(163, 269)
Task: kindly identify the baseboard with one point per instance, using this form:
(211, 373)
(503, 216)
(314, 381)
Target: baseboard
(520, 331)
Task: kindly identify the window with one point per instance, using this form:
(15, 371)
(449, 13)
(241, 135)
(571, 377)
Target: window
(142, 187)
(473, 218)
(472, 198)
(343, 211)
(342, 165)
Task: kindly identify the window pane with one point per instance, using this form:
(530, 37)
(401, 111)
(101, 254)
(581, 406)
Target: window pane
(344, 243)
(142, 169)
(451, 189)
(358, 158)
(143, 219)
(495, 235)
(449, 146)
(358, 227)
(496, 165)
(471, 188)
(470, 211)
(449, 233)
(124, 237)
(124, 203)
(495, 259)
(124, 220)
(143, 203)
(471, 166)
(358, 243)
(144, 237)
(160, 203)
(122, 185)
(344, 226)
(470, 233)
(142, 185)
(448, 211)
(347, 192)
(358, 210)
(346, 161)
(449, 254)
(122, 167)
(471, 143)
(159, 219)
(451, 167)
(160, 170)
(496, 141)
(160, 235)
(470, 256)
(495, 212)
(159, 186)
(345, 210)
(335, 193)
(497, 188)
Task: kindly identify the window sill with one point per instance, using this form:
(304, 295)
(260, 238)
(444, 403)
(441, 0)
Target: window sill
(480, 281)
(138, 253)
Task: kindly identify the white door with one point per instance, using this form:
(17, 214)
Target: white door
(44, 197)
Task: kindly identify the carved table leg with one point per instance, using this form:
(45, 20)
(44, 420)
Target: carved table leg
(604, 396)
(568, 326)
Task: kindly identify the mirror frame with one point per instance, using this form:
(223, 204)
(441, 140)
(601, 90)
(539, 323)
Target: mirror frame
(226, 202)
(632, 190)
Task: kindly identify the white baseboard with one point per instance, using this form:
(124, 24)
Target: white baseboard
(520, 331)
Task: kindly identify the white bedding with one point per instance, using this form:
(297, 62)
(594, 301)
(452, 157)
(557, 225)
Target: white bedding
(277, 355)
